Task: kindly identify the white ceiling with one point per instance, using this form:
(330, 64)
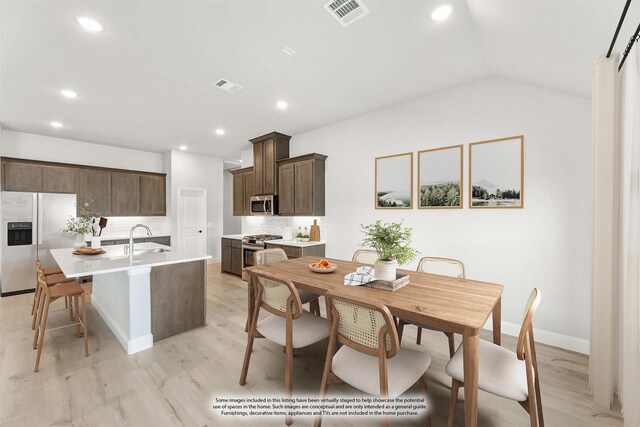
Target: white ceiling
(146, 82)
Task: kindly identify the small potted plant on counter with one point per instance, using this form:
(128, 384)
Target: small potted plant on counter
(78, 226)
(392, 243)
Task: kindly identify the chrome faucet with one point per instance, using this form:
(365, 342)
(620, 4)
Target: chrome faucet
(131, 237)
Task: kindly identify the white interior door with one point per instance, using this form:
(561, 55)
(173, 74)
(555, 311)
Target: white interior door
(193, 221)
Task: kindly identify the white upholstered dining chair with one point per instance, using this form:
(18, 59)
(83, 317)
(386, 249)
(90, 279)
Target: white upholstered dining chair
(370, 358)
(365, 256)
(444, 267)
(269, 256)
(504, 373)
(287, 325)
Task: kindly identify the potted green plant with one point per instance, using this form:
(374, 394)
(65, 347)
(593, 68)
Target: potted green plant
(392, 243)
(78, 226)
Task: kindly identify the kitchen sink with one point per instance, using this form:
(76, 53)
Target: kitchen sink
(150, 250)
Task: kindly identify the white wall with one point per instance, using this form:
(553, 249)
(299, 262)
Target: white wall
(231, 224)
(45, 148)
(195, 171)
(545, 245)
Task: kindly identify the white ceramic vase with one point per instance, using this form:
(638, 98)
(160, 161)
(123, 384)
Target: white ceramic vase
(386, 270)
(79, 241)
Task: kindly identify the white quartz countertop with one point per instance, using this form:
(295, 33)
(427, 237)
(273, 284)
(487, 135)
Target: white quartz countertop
(233, 236)
(123, 237)
(295, 243)
(116, 259)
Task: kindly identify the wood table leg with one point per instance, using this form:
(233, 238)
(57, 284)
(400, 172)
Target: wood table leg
(470, 345)
(497, 321)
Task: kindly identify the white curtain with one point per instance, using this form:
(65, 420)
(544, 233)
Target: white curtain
(629, 283)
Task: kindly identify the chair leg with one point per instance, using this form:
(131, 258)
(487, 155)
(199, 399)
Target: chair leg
(401, 324)
(86, 327)
(71, 308)
(425, 390)
(66, 302)
(43, 326)
(37, 319)
(288, 378)
(538, 399)
(452, 343)
(314, 307)
(455, 385)
(247, 354)
(34, 321)
(77, 318)
(35, 298)
(419, 337)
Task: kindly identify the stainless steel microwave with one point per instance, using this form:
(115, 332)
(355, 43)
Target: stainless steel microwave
(264, 205)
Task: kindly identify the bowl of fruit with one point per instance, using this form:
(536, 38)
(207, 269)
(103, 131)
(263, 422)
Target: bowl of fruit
(323, 266)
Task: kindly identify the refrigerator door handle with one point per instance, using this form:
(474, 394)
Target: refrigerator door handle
(39, 220)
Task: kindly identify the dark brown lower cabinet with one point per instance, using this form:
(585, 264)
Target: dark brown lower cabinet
(231, 261)
(299, 252)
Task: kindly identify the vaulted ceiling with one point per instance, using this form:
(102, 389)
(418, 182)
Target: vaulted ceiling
(146, 82)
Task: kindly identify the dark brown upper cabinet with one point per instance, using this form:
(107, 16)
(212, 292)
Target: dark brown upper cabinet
(125, 194)
(59, 179)
(243, 189)
(94, 186)
(114, 192)
(18, 176)
(302, 185)
(153, 200)
(267, 150)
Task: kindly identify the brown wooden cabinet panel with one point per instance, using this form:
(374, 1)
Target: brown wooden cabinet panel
(21, 176)
(249, 185)
(269, 169)
(59, 179)
(303, 198)
(125, 194)
(238, 195)
(226, 259)
(301, 185)
(299, 252)
(267, 149)
(286, 194)
(236, 261)
(95, 186)
(258, 168)
(153, 195)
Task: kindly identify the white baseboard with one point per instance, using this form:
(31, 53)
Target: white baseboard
(130, 346)
(579, 345)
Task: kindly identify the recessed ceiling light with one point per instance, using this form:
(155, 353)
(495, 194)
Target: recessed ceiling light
(442, 12)
(220, 131)
(289, 51)
(56, 124)
(68, 93)
(282, 105)
(183, 147)
(89, 24)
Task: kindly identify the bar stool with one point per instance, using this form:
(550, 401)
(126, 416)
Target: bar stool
(71, 290)
(50, 280)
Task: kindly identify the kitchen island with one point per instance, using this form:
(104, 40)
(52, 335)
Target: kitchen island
(154, 294)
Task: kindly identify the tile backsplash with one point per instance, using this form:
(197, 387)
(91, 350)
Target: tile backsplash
(272, 225)
(119, 226)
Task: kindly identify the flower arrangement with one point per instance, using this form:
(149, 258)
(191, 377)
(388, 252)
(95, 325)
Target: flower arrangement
(83, 223)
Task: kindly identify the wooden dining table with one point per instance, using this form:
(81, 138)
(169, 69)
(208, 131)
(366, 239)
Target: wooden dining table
(447, 303)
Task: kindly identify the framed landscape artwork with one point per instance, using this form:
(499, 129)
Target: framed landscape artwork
(496, 173)
(440, 178)
(394, 181)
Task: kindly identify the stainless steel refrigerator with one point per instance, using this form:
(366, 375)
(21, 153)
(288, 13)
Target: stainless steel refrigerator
(32, 224)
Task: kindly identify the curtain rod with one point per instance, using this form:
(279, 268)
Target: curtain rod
(615, 35)
(632, 41)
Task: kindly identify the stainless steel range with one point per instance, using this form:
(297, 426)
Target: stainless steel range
(251, 244)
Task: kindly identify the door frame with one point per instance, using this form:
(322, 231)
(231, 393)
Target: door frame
(203, 192)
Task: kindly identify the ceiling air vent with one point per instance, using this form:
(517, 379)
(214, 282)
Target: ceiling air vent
(225, 84)
(346, 11)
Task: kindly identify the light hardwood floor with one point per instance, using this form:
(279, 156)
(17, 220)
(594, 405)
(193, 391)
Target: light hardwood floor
(176, 381)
